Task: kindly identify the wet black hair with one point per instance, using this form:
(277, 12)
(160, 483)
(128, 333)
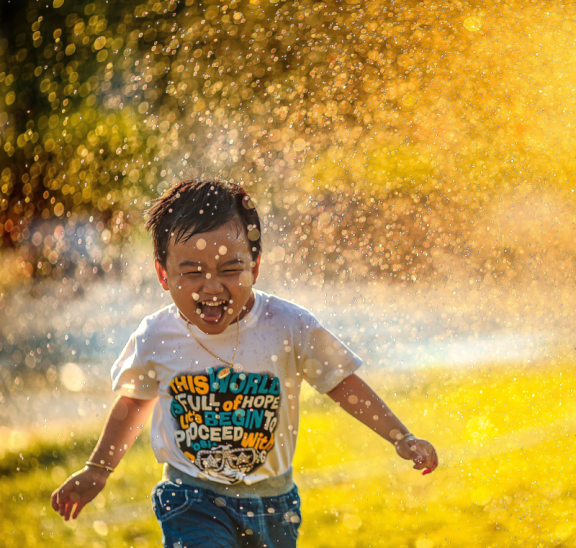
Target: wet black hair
(194, 206)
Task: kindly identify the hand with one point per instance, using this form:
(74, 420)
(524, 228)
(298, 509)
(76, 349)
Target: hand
(420, 451)
(79, 489)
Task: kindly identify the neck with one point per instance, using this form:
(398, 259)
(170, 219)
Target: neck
(249, 305)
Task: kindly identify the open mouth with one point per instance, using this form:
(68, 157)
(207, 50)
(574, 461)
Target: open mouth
(212, 311)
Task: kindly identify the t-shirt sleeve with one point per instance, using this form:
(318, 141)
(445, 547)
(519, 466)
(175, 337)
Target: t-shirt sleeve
(132, 374)
(324, 359)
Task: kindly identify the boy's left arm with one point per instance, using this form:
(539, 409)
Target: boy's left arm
(358, 399)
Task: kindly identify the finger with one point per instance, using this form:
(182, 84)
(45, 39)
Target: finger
(62, 499)
(427, 452)
(424, 457)
(429, 461)
(422, 449)
(419, 457)
(73, 500)
(419, 460)
(77, 510)
(68, 510)
(54, 501)
(432, 467)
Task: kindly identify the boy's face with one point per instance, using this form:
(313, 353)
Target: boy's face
(210, 277)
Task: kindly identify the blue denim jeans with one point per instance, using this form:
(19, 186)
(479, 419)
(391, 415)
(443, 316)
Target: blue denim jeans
(193, 517)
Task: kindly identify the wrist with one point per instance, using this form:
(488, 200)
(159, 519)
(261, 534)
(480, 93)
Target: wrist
(99, 467)
(398, 436)
(95, 476)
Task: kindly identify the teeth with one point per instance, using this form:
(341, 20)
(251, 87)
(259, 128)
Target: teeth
(212, 303)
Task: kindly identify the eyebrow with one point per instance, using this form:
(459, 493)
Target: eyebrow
(227, 263)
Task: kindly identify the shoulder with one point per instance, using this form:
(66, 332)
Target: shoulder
(158, 322)
(288, 311)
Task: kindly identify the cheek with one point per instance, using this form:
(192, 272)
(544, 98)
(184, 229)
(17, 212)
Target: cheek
(185, 284)
(246, 279)
(179, 285)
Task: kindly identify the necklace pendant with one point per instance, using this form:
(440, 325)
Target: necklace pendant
(223, 373)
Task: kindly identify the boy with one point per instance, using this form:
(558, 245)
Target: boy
(221, 367)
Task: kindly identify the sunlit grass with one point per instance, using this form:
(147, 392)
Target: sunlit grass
(505, 477)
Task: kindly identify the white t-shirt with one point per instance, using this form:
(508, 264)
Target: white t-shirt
(242, 427)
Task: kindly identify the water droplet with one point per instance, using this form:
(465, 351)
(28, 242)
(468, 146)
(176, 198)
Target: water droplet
(473, 24)
(72, 377)
(254, 235)
(294, 518)
(162, 187)
(100, 528)
(352, 521)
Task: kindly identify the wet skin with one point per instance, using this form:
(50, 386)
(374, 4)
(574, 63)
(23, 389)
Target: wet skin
(211, 268)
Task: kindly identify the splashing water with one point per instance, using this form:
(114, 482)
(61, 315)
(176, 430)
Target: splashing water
(375, 135)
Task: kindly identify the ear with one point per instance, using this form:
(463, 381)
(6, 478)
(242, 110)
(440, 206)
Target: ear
(162, 275)
(256, 269)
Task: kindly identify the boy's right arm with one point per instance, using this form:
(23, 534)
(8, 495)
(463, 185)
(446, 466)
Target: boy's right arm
(124, 422)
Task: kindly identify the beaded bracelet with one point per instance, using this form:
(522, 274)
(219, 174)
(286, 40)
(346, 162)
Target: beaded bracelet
(90, 463)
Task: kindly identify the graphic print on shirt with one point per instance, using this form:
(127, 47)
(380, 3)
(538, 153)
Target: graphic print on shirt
(225, 426)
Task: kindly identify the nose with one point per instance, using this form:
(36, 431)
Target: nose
(212, 285)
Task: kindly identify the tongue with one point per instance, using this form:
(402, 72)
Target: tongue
(212, 313)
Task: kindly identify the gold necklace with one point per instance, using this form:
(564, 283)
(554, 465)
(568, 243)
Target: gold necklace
(223, 372)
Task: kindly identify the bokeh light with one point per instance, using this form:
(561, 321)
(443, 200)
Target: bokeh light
(407, 118)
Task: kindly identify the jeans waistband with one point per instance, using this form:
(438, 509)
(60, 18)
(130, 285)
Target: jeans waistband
(271, 487)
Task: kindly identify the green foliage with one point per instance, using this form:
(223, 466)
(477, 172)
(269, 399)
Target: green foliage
(39, 454)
